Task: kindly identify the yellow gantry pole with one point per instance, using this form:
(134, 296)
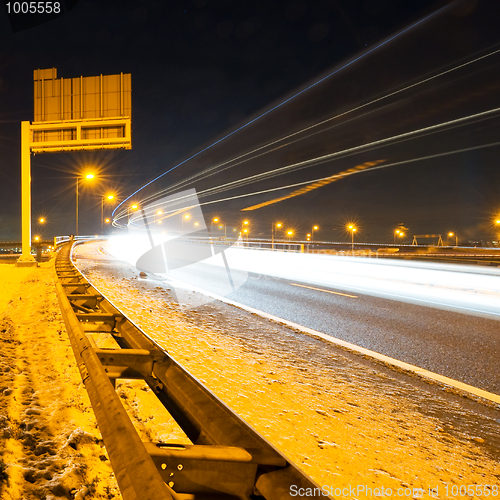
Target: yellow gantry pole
(26, 258)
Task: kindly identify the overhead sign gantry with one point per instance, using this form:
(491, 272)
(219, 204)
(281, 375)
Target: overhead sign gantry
(72, 114)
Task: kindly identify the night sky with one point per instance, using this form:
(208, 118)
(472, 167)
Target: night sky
(201, 70)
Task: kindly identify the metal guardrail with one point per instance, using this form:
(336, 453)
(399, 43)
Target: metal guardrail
(227, 460)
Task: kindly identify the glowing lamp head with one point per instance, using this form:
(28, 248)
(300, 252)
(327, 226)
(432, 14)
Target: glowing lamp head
(134, 206)
(196, 223)
(279, 224)
(290, 233)
(41, 220)
(451, 234)
(37, 238)
(220, 227)
(216, 219)
(246, 222)
(107, 221)
(159, 212)
(89, 176)
(187, 216)
(110, 197)
(315, 228)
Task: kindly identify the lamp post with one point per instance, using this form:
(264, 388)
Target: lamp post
(185, 217)
(89, 176)
(396, 233)
(352, 228)
(225, 229)
(108, 197)
(278, 226)
(450, 235)
(314, 228)
(135, 206)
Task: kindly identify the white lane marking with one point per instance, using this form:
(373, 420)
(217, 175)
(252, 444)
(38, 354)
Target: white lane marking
(327, 291)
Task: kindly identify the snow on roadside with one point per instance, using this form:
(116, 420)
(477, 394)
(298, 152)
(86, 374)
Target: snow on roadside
(344, 421)
(50, 447)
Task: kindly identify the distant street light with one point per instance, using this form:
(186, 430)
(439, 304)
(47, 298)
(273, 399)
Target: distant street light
(278, 226)
(314, 228)
(41, 220)
(108, 197)
(185, 218)
(88, 176)
(352, 229)
(450, 235)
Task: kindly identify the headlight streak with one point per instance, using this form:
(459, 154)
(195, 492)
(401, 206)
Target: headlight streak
(321, 159)
(298, 184)
(370, 145)
(352, 61)
(460, 288)
(217, 168)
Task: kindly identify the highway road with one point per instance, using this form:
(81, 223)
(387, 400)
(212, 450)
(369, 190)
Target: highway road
(455, 335)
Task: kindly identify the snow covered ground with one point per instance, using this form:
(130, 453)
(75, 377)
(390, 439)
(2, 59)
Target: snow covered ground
(50, 447)
(344, 420)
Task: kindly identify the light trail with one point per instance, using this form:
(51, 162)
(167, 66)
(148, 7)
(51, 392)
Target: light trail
(346, 152)
(317, 184)
(352, 61)
(459, 288)
(298, 184)
(227, 164)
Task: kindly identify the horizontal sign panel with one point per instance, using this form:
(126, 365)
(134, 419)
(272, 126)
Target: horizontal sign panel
(82, 98)
(81, 135)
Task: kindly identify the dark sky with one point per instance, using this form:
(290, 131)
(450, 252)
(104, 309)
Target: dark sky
(202, 69)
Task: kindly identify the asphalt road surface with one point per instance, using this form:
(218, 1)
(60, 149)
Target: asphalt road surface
(461, 346)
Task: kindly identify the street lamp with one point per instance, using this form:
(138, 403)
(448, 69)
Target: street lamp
(108, 197)
(450, 235)
(352, 228)
(314, 228)
(134, 206)
(278, 226)
(41, 220)
(396, 233)
(185, 217)
(88, 176)
(225, 229)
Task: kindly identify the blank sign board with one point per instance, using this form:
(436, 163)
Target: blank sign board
(87, 112)
(85, 97)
